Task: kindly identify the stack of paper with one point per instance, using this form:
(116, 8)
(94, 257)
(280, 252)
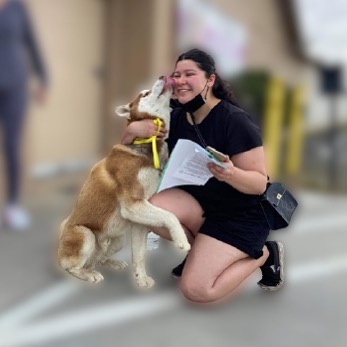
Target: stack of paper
(187, 165)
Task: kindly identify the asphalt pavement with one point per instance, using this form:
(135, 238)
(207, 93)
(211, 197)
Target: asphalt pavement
(41, 306)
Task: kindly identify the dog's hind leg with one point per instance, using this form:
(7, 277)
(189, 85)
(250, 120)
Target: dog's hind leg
(138, 246)
(143, 212)
(115, 244)
(76, 252)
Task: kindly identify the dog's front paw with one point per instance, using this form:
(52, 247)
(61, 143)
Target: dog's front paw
(144, 281)
(183, 244)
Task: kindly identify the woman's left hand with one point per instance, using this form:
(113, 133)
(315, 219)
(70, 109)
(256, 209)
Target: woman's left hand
(40, 95)
(220, 173)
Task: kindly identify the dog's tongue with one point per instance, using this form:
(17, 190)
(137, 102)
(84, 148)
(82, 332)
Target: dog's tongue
(170, 81)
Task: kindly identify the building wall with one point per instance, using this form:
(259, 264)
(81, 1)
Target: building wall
(137, 51)
(268, 40)
(100, 53)
(67, 128)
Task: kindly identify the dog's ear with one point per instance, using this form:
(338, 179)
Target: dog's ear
(123, 111)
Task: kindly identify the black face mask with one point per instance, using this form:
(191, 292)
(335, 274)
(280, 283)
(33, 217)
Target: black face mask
(192, 105)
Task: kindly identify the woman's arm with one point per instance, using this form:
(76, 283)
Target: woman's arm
(144, 128)
(32, 47)
(246, 171)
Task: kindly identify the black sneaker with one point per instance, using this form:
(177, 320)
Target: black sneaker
(177, 271)
(273, 275)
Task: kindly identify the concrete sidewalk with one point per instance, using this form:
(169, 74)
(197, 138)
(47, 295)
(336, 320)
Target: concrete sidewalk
(40, 306)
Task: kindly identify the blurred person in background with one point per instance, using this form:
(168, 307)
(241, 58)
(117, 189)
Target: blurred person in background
(17, 45)
(223, 219)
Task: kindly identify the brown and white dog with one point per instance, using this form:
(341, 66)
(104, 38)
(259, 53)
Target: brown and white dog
(114, 201)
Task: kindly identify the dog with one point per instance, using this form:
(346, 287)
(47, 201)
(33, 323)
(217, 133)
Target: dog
(114, 200)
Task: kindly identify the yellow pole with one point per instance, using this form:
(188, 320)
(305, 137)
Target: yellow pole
(273, 120)
(295, 138)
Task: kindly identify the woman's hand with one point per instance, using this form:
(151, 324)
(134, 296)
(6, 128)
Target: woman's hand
(145, 129)
(39, 93)
(246, 172)
(222, 174)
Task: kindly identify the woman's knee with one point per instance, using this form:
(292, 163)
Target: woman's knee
(195, 291)
(182, 205)
(158, 200)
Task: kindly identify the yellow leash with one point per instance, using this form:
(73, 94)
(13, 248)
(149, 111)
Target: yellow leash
(152, 139)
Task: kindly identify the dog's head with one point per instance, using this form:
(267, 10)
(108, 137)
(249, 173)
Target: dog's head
(153, 103)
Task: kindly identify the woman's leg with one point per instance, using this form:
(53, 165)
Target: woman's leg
(13, 109)
(214, 270)
(13, 105)
(184, 207)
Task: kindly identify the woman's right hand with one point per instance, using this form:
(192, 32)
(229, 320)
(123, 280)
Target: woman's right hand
(145, 129)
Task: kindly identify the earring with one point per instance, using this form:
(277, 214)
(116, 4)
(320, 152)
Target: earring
(205, 98)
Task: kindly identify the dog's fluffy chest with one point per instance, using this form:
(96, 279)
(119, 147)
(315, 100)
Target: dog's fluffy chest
(149, 179)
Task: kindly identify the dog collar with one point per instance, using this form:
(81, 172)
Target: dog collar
(153, 139)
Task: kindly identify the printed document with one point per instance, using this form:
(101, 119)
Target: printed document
(187, 165)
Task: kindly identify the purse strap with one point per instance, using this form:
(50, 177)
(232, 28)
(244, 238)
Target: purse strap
(198, 131)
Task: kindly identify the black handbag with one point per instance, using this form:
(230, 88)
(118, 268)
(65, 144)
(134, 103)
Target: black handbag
(278, 205)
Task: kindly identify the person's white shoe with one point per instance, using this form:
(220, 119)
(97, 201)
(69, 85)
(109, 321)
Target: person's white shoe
(16, 218)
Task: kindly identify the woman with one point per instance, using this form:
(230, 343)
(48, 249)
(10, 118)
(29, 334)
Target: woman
(223, 219)
(16, 42)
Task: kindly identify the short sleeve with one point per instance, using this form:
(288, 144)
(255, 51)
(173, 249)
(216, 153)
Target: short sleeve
(243, 134)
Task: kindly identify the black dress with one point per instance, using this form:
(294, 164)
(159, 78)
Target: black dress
(231, 216)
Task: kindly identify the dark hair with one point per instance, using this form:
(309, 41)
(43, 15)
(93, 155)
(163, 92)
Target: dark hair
(205, 62)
